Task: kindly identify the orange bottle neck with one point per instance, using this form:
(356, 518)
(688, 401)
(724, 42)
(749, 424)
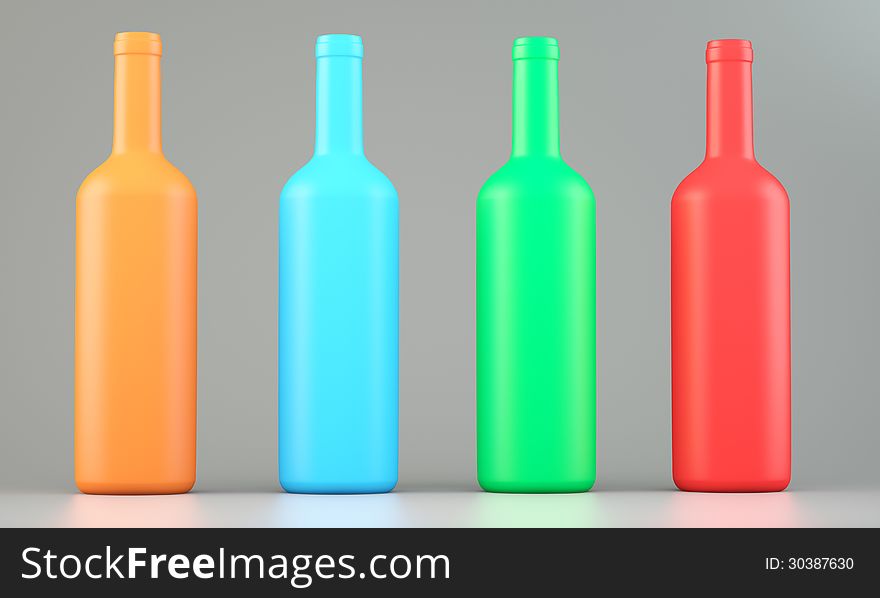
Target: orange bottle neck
(137, 104)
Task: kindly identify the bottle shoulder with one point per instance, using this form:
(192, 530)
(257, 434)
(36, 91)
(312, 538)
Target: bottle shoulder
(535, 176)
(339, 175)
(136, 174)
(729, 178)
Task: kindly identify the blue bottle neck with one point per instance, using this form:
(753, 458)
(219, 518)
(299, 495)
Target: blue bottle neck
(339, 106)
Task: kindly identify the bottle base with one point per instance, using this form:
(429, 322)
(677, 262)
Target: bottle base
(730, 486)
(135, 488)
(300, 487)
(536, 487)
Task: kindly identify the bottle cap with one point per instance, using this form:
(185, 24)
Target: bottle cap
(339, 44)
(137, 42)
(536, 47)
(729, 49)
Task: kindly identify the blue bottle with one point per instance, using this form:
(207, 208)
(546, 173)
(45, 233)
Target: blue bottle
(338, 299)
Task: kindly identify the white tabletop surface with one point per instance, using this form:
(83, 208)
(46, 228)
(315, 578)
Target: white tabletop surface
(432, 507)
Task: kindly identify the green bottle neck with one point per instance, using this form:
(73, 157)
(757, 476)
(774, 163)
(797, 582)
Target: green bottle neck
(535, 107)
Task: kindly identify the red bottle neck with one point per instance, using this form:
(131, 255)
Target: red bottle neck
(729, 100)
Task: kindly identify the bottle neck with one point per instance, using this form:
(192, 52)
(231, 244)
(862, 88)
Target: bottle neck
(535, 107)
(729, 110)
(339, 106)
(137, 104)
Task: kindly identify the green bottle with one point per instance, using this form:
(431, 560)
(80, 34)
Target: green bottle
(536, 300)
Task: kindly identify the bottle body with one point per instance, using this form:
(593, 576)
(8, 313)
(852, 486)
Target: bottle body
(536, 376)
(731, 357)
(338, 306)
(135, 320)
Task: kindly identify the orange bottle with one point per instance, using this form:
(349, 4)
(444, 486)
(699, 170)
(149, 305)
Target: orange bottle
(136, 260)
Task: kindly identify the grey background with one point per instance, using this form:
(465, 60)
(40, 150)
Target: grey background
(238, 90)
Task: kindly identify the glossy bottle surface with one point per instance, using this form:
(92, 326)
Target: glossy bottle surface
(731, 357)
(136, 261)
(536, 362)
(338, 299)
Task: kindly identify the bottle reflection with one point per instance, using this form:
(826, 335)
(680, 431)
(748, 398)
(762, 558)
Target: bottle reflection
(132, 511)
(443, 509)
(733, 510)
(537, 510)
(365, 510)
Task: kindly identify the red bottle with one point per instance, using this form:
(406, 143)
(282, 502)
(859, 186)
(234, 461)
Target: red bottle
(731, 347)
